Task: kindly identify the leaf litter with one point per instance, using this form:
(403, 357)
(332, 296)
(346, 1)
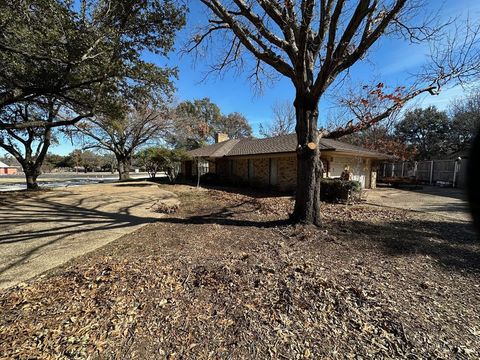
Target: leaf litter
(227, 277)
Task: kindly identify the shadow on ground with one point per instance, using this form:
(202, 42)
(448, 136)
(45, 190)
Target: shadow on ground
(45, 221)
(452, 244)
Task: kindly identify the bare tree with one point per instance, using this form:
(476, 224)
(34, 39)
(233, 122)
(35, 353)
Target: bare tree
(312, 42)
(283, 120)
(123, 135)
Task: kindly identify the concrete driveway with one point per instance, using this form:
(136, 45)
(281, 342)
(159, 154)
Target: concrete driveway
(446, 202)
(45, 230)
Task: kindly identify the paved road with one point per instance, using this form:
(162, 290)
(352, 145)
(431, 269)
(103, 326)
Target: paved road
(446, 202)
(54, 180)
(41, 232)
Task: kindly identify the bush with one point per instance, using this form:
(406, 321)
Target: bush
(209, 179)
(155, 159)
(336, 190)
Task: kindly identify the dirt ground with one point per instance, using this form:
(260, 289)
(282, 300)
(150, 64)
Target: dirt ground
(227, 277)
(445, 202)
(43, 230)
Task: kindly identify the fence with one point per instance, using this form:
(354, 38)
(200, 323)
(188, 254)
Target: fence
(444, 172)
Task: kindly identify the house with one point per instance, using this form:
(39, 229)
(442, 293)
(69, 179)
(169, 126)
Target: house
(7, 170)
(272, 161)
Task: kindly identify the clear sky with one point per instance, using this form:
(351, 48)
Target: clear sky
(391, 60)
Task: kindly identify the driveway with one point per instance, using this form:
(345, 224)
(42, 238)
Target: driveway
(446, 202)
(44, 230)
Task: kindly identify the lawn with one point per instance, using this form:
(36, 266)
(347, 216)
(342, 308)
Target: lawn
(227, 277)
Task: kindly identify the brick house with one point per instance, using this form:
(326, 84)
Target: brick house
(7, 170)
(272, 161)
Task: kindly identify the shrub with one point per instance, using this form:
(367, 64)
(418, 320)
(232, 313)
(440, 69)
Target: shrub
(155, 159)
(209, 179)
(336, 190)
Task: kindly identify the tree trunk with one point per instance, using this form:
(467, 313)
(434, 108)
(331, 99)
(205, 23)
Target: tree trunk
(31, 174)
(123, 168)
(473, 179)
(309, 165)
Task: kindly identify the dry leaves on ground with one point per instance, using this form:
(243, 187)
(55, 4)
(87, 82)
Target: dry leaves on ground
(227, 279)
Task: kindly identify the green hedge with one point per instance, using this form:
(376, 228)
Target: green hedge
(336, 190)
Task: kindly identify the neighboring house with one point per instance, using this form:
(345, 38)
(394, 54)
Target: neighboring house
(272, 161)
(6, 169)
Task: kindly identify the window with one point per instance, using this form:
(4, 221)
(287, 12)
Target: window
(202, 166)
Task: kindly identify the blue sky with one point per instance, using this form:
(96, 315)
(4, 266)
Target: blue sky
(391, 60)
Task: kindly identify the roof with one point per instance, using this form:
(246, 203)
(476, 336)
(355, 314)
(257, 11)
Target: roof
(216, 150)
(277, 144)
(3, 165)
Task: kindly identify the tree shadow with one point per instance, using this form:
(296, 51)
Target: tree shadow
(45, 221)
(441, 191)
(140, 184)
(452, 244)
(240, 189)
(232, 215)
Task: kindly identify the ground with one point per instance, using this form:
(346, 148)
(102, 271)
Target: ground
(228, 277)
(46, 229)
(445, 202)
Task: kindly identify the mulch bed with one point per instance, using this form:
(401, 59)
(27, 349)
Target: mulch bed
(228, 277)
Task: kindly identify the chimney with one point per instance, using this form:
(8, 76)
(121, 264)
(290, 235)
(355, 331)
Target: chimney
(219, 137)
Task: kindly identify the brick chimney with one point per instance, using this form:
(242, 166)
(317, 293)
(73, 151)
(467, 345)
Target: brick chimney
(219, 137)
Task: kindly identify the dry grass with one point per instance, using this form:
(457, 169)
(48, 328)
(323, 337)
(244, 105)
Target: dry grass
(227, 277)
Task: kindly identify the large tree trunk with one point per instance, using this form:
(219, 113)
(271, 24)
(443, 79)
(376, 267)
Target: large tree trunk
(309, 165)
(31, 174)
(123, 168)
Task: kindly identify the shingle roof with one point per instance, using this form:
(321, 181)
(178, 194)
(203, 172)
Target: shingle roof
(3, 165)
(216, 150)
(349, 148)
(277, 144)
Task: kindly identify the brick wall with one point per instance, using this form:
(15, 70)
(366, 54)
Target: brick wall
(261, 171)
(286, 170)
(8, 171)
(287, 173)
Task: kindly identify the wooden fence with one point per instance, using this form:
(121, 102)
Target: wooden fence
(441, 172)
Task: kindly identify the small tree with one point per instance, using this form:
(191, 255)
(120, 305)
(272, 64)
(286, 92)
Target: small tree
(172, 162)
(157, 159)
(150, 159)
